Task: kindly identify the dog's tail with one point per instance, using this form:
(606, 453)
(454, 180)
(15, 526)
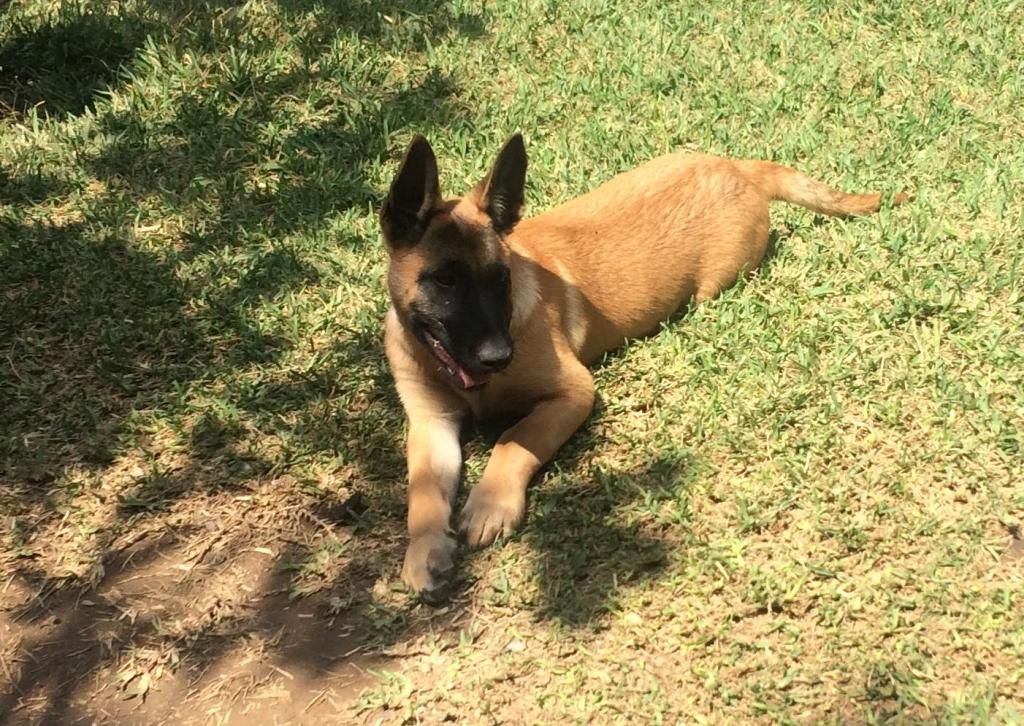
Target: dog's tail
(789, 185)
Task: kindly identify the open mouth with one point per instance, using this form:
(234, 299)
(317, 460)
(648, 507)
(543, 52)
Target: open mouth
(467, 380)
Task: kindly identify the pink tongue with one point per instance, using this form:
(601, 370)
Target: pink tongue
(469, 380)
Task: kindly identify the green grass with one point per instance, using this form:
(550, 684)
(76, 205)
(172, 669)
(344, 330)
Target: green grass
(799, 503)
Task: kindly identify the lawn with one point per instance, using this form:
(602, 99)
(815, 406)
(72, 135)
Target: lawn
(800, 503)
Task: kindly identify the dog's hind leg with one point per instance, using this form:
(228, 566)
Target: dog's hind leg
(735, 252)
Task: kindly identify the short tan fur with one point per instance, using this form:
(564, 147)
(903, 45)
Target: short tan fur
(585, 276)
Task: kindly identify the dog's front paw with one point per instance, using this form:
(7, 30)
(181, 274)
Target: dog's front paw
(428, 566)
(490, 511)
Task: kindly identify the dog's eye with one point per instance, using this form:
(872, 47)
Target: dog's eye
(443, 279)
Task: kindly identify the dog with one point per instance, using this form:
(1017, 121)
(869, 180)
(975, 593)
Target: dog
(492, 314)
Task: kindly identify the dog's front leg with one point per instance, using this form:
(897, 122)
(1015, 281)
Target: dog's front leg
(435, 466)
(497, 503)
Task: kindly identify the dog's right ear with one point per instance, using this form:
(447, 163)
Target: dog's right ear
(415, 193)
(500, 194)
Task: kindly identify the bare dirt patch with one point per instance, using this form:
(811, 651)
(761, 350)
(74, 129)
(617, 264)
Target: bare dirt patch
(198, 618)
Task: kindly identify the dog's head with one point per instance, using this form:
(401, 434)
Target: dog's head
(449, 276)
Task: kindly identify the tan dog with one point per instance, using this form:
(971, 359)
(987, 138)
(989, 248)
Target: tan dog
(493, 315)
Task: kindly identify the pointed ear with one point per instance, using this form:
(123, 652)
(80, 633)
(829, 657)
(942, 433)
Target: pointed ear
(500, 194)
(415, 193)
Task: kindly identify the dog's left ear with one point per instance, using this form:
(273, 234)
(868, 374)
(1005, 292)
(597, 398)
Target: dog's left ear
(500, 194)
(415, 193)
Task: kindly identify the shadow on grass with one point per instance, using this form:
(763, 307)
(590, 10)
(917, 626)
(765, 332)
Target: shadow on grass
(102, 326)
(598, 530)
(604, 535)
(105, 331)
(98, 328)
(143, 615)
(30, 188)
(413, 22)
(243, 185)
(61, 65)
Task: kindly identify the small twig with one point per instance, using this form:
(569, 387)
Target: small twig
(198, 559)
(316, 699)
(13, 369)
(282, 671)
(10, 676)
(38, 596)
(132, 541)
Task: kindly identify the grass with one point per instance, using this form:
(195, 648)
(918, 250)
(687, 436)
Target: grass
(799, 503)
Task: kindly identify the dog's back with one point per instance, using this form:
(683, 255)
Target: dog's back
(679, 227)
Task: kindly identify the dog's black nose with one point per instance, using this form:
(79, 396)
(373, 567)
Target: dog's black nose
(493, 355)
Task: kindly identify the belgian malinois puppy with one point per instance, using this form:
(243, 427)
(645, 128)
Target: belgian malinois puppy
(493, 314)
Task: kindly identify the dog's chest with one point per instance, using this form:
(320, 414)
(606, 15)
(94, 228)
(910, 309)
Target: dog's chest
(504, 395)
